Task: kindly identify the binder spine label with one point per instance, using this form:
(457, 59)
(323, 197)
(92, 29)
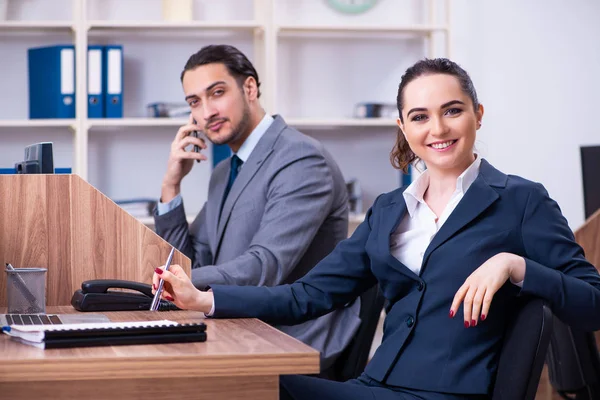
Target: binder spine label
(114, 71)
(95, 72)
(67, 71)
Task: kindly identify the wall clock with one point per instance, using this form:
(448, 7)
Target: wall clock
(351, 6)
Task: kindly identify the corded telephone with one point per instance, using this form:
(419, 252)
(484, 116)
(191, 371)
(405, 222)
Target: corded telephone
(95, 295)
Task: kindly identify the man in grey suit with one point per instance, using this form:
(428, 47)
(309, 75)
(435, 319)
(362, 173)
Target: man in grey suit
(274, 209)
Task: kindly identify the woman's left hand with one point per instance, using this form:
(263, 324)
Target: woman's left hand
(480, 287)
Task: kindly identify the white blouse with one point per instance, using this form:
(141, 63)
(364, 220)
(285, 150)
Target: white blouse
(414, 233)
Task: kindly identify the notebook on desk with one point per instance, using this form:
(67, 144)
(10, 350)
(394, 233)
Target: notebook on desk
(106, 334)
(50, 319)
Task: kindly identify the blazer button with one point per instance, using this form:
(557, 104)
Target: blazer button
(420, 286)
(410, 321)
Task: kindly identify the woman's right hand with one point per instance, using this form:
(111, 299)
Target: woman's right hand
(179, 289)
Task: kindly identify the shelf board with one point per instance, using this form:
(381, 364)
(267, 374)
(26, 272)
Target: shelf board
(148, 221)
(291, 30)
(169, 25)
(36, 123)
(352, 219)
(97, 123)
(300, 122)
(341, 122)
(94, 123)
(36, 25)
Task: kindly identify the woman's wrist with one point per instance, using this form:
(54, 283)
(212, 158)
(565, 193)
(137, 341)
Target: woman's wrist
(204, 301)
(516, 267)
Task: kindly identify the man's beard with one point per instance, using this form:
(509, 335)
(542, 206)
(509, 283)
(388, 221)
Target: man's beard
(239, 130)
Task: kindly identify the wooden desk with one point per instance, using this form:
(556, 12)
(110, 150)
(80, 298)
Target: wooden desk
(242, 359)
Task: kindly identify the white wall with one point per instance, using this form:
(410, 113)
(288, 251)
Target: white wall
(536, 66)
(534, 63)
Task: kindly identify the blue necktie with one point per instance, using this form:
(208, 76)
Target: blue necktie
(236, 163)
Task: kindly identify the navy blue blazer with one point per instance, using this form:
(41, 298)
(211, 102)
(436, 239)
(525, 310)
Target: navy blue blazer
(422, 347)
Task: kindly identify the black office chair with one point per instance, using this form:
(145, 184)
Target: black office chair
(574, 363)
(523, 351)
(353, 360)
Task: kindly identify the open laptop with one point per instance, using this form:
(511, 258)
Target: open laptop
(51, 319)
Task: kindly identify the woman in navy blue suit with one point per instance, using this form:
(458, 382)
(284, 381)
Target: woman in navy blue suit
(450, 252)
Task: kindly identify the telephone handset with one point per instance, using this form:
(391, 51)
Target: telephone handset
(196, 134)
(96, 295)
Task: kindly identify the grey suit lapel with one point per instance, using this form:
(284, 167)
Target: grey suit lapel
(263, 149)
(213, 204)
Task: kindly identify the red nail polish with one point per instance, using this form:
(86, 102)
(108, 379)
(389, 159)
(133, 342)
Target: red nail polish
(154, 286)
(466, 324)
(158, 271)
(451, 314)
(483, 317)
(473, 323)
(169, 298)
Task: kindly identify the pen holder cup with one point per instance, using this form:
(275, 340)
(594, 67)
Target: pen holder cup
(26, 290)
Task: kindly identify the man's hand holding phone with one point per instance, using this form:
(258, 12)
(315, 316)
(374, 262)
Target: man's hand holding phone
(181, 160)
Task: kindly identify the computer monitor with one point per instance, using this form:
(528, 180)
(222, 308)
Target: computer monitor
(590, 168)
(38, 160)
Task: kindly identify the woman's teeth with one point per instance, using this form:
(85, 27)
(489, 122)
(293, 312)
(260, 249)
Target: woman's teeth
(443, 145)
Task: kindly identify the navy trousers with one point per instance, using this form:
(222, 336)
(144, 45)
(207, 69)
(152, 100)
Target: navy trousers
(301, 387)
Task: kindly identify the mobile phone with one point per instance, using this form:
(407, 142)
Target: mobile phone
(196, 134)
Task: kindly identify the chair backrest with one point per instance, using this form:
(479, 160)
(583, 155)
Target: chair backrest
(523, 351)
(574, 363)
(353, 360)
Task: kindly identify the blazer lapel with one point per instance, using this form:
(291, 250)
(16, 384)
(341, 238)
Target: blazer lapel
(213, 204)
(261, 152)
(478, 198)
(389, 218)
(249, 169)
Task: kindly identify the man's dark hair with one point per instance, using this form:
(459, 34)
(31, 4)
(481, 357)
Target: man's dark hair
(235, 61)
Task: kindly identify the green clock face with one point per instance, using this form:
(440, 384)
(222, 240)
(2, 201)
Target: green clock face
(351, 6)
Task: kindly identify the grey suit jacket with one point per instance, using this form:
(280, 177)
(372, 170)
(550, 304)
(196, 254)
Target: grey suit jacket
(286, 210)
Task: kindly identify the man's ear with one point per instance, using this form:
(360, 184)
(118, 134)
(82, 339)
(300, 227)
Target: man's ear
(250, 88)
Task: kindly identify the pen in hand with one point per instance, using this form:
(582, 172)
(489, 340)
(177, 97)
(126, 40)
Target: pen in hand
(161, 284)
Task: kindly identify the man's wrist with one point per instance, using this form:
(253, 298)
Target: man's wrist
(169, 192)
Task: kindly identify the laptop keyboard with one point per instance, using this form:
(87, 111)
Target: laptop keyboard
(33, 319)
